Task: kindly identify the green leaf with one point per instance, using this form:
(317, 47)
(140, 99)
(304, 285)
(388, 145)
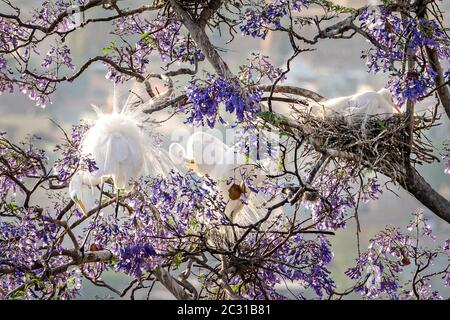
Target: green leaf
(332, 7)
(106, 50)
(234, 287)
(17, 294)
(193, 222)
(271, 118)
(114, 261)
(178, 260)
(382, 124)
(171, 221)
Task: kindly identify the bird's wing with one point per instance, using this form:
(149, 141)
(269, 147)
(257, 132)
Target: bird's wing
(362, 105)
(119, 148)
(89, 196)
(75, 185)
(82, 193)
(336, 106)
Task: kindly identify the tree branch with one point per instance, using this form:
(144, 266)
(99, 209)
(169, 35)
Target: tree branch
(171, 284)
(200, 37)
(415, 184)
(442, 87)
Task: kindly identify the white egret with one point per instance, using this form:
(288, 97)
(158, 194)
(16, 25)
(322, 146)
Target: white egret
(354, 109)
(206, 154)
(359, 107)
(121, 147)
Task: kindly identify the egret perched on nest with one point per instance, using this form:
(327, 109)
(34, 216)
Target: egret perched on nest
(354, 109)
(208, 155)
(358, 107)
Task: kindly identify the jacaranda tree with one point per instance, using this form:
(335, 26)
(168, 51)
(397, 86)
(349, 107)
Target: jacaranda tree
(325, 169)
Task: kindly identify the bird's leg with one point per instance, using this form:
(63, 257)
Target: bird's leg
(95, 220)
(117, 202)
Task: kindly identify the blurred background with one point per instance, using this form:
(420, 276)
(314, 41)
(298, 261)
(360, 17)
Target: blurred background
(333, 69)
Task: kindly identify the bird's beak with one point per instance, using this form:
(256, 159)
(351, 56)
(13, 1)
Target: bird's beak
(190, 164)
(80, 204)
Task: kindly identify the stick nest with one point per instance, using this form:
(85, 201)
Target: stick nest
(381, 144)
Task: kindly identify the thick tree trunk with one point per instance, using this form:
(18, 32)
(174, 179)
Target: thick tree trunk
(415, 184)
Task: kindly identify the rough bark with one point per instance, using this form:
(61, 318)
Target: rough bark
(170, 284)
(200, 37)
(417, 186)
(441, 85)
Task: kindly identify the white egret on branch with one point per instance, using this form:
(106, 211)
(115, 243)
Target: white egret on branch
(121, 146)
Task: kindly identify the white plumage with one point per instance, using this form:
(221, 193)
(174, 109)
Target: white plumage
(81, 189)
(121, 149)
(359, 107)
(206, 154)
(116, 143)
(354, 109)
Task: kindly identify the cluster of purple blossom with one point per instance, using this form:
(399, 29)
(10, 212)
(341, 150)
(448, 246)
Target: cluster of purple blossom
(29, 251)
(58, 56)
(267, 256)
(11, 34)
(23, 160)
(11, 37)
(49, 11)
(262, 16)
(161, 35)
(378, 270)
(205, 100)
(181, 224)
(258, 69)
(166, 38)
(395, 37)
(299, 261)
(338, 196)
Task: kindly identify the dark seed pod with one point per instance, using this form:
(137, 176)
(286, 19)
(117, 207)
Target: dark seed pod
(311, 196)
(235, 192)
(405, 259)
(95, 247)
